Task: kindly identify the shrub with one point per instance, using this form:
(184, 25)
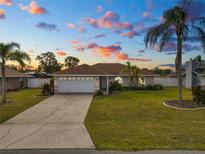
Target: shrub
(99, 93)
(48, 88)
(158, 87)
(198, 95)
(115, 86)
(150, 87)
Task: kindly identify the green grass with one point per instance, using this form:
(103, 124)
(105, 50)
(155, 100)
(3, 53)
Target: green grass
(20, 101)
(139, 121)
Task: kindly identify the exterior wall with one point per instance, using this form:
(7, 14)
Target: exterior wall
(37, 82)
(189, 74)
(202, 80)
(168, 82)
(149, 80)
(96, 82)
(15, 83)
(103, 81)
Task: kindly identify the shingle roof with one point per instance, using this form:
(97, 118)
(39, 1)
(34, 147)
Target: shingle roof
(82, 69)
(13, 73)
(100, 69)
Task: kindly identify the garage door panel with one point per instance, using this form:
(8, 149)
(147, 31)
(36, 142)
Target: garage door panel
(76, 86)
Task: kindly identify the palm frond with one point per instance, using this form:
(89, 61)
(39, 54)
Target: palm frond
(199, 33)
(154, 33)
(19, 57)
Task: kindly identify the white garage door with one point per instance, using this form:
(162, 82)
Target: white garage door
(76, 86)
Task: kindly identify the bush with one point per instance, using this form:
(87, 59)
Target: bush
(198, 95)
(150, 87)
(99, 93)
(115, 86)
(48, 88)
(158, 87)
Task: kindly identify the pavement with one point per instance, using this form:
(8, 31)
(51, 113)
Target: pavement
(55, 123)
(90, 151)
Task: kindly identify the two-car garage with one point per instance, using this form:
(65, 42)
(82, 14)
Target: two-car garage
(76, 85)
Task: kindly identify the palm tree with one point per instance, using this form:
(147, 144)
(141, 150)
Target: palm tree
(10, 52)
(135, 74)
(176, 22)
(128, 69)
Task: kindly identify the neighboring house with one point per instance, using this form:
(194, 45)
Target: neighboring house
(88, 79)
(38, 79)
(15, 80)
(195, 73)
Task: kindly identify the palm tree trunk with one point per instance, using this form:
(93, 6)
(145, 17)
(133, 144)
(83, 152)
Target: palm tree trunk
(129, 80)
(179, 67)
(3, 78)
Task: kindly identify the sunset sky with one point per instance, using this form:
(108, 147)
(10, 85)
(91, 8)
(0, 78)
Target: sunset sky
(92, 30)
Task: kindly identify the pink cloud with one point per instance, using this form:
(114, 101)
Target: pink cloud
(61, 53)
(81, 29)
(74, 42)
(92, 22)
(123, 56)
(6, 2)
(71, 26)
(2, 14)
(99, 9)
(33, 8)
(129, 34)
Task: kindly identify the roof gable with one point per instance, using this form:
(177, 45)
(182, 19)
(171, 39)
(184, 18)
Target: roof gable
(13, 73)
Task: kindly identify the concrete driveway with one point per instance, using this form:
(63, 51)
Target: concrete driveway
(57, 122)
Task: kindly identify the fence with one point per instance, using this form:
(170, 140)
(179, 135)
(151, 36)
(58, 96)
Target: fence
(37, 82)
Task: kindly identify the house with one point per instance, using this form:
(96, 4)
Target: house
(38, 79)
(195, 73)
(14, 79)
(90, 78)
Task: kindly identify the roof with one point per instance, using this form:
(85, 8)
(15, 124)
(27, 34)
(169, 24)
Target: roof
(100, 69)
(82, 69)
(13, 73)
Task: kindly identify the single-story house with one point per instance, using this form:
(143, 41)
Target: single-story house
(14, 80)
(90, 78)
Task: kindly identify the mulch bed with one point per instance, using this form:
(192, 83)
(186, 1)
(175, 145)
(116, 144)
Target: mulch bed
(186, 104)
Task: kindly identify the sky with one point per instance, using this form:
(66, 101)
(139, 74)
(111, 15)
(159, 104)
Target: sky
(92, 30)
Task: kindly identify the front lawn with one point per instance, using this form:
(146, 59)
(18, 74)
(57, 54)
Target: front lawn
(139, 121)
(20, 101)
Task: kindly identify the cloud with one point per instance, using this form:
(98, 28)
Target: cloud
(33, 8)
(109, 20)
(100, 35)
(6, 2)
(129, 34)
(71, 25)
(46, 26)
(74, 42)
(2, 14)
(112, 51)
(167, 65)
(141, 51)
(196, 8)
(80, 29)
(61, 53)
(171, 48)
(99, 9)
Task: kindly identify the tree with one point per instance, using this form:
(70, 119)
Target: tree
(48, 62)
(135, 74)
(198, 59)
(128, 69)
(176, 22)
(10, 52)
(71, 62)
